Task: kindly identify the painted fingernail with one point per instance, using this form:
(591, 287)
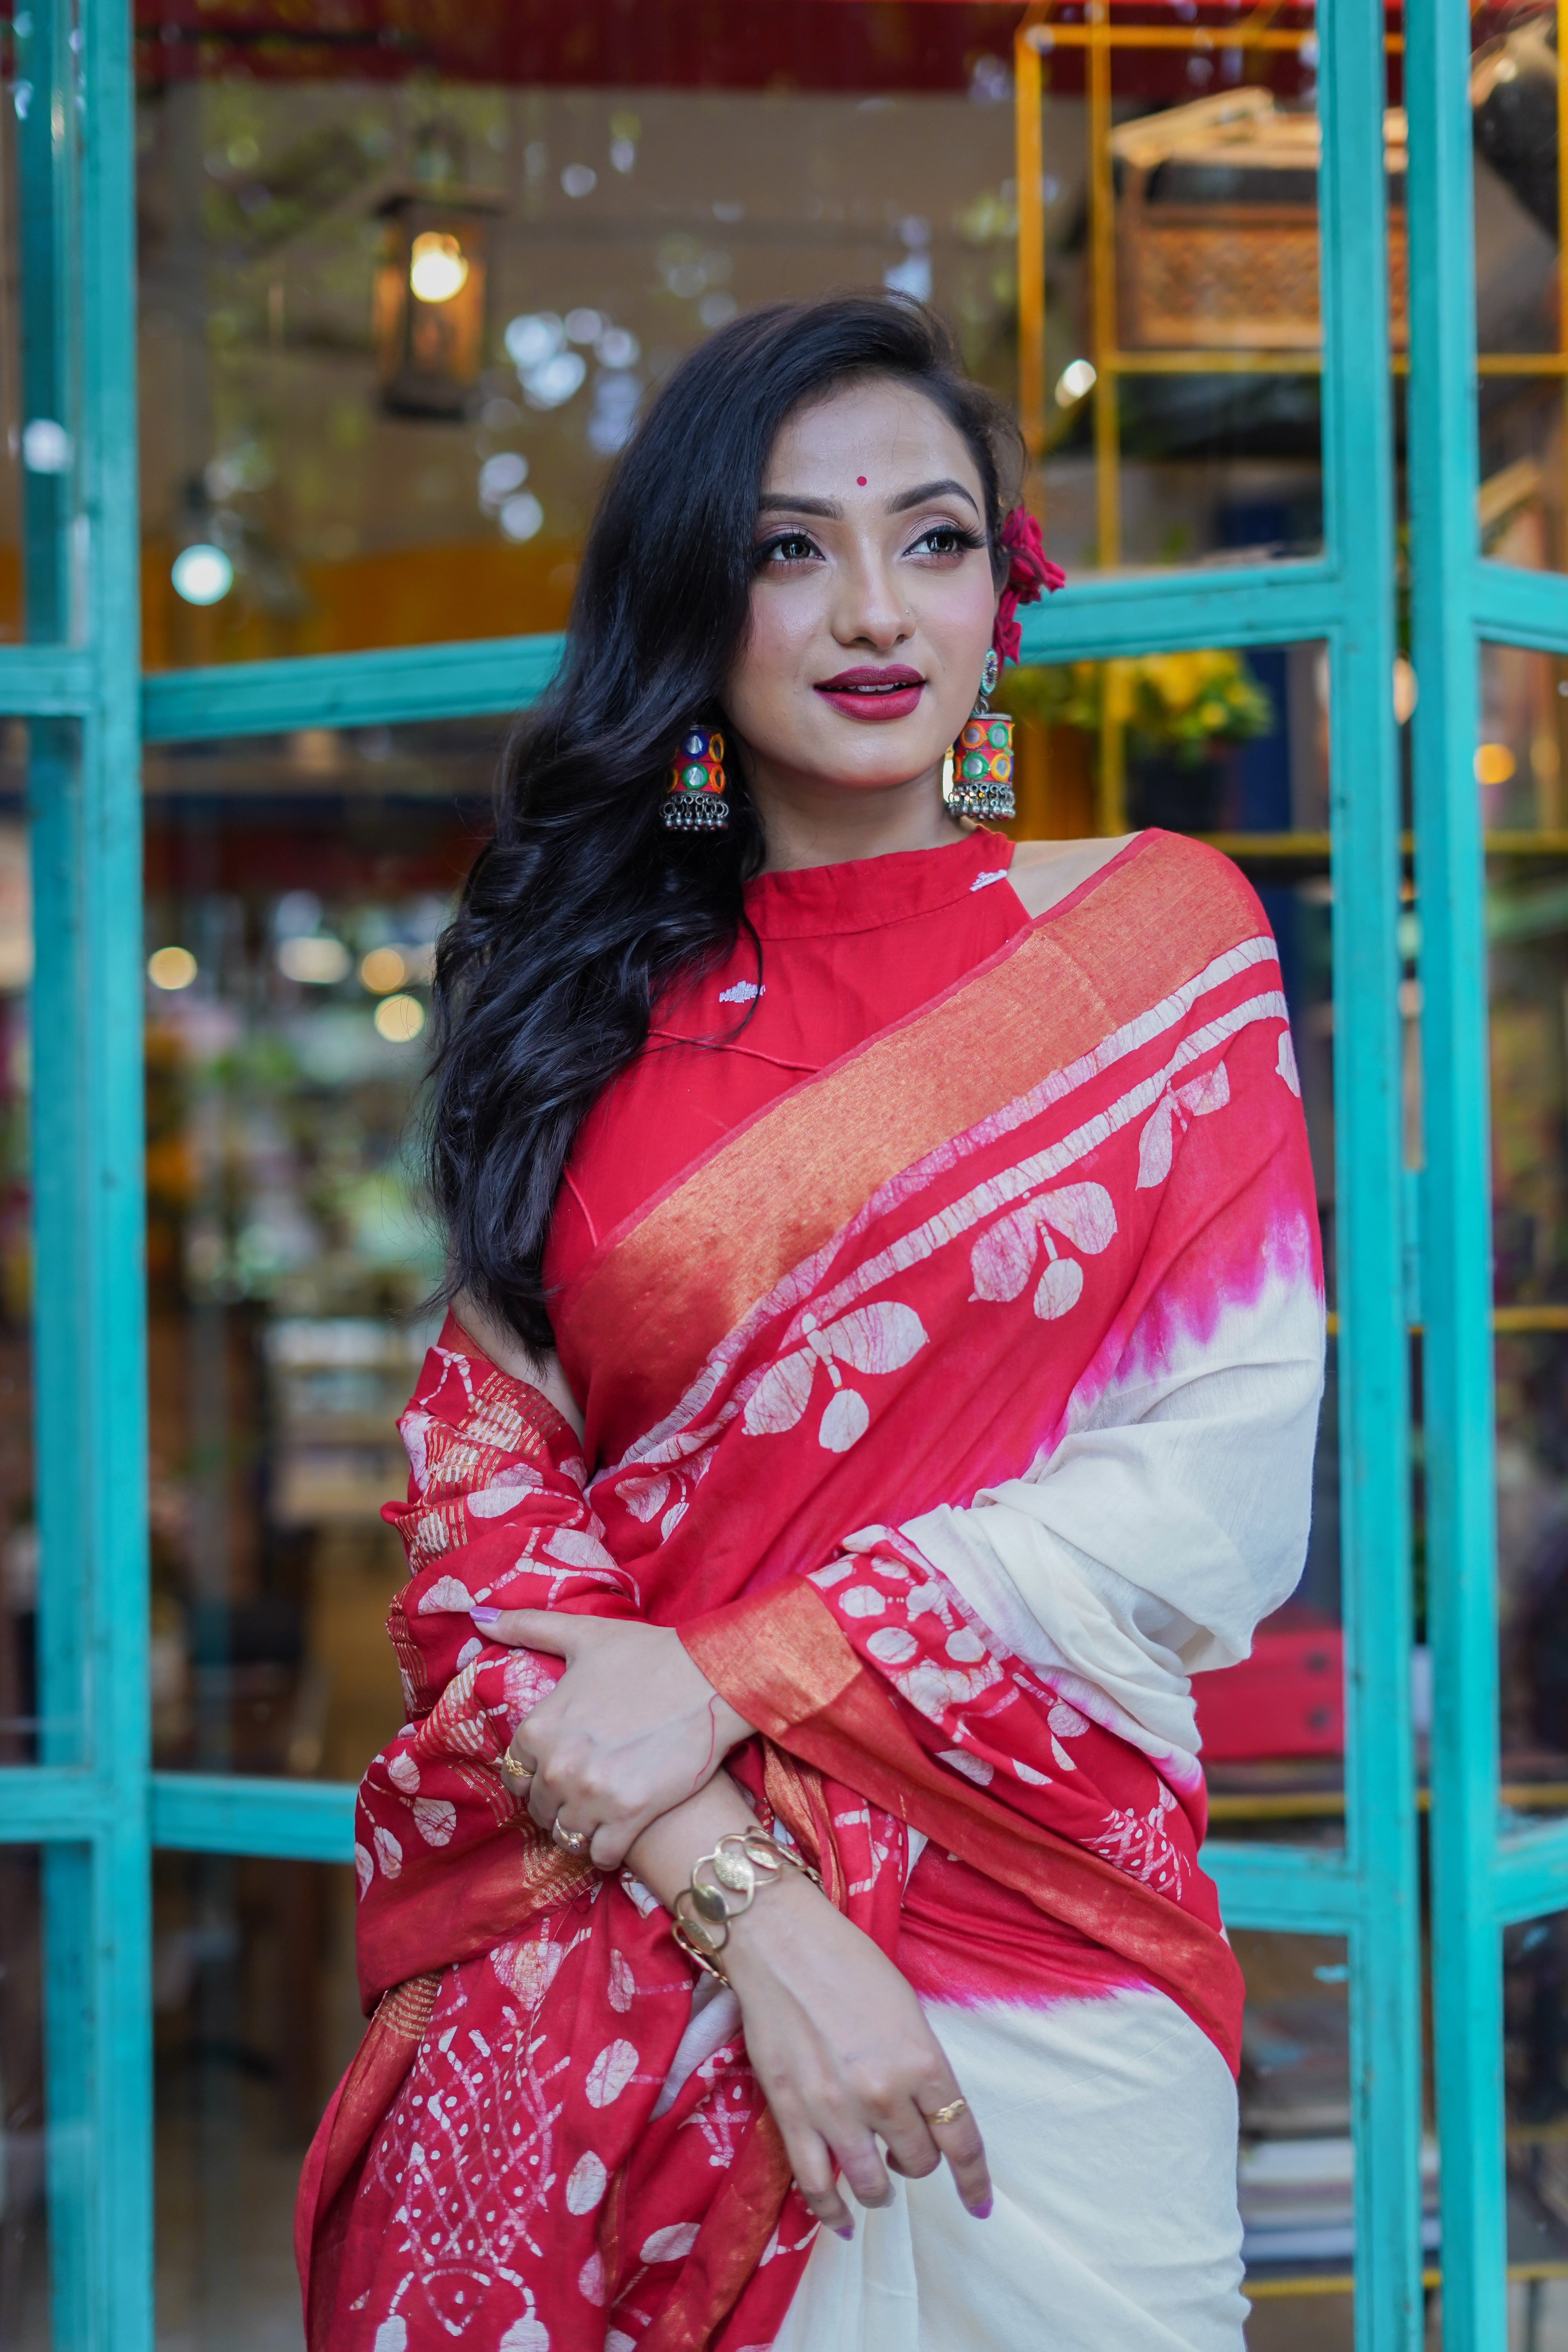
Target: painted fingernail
(983, 2212)
(485, 1616)
(848, 2231)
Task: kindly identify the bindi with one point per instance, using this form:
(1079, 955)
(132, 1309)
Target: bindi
(860, 481)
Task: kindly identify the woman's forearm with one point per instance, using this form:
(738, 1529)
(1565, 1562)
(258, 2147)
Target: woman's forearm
(663, 1855)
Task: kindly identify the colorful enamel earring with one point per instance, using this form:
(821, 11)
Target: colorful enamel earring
(695, 802)
(977, 772)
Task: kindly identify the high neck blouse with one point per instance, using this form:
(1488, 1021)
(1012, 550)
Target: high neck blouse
(845, 950)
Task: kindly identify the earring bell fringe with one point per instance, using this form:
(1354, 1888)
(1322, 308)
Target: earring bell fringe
(696, 801)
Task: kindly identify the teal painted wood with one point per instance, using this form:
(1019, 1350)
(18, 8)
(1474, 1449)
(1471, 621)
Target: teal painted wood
(1530, 1874)
(1375, 1406)
(46, 227)
(387, 688)
(44, 1801)
(1244, 604)
(1301, 1890)
(209, 1813)
(48, 681)
(89, 1337)
(1524, 608)
(1455, 1212)
(47, 183)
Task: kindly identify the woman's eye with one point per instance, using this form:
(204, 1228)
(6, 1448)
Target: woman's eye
(792, 547)
(942, 538)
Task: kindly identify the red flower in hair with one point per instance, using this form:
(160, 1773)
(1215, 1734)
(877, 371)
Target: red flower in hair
(1030, 573)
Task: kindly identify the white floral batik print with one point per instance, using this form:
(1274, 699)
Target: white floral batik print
(880, 1337)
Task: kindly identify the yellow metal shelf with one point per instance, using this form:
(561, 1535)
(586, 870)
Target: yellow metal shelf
(1328, 1804)
(1536, 842)
(1271, 2290)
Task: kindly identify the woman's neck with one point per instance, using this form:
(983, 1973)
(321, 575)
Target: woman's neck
(809, 823)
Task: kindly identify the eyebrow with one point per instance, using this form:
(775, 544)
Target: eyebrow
(784, 502)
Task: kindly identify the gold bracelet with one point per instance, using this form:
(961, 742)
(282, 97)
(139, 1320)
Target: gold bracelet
(724, 1883)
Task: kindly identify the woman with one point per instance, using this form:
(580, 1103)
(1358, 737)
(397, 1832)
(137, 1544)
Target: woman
(886, 1356)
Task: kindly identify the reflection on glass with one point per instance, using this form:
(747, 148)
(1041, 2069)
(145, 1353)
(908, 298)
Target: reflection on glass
(1228, 745)
(23, 2217)
(1296, 2174)
(1535, 2044)
(402, 300)
(1518, 766)
(1520, 758)
(1169, 325)
(1234, 747)
(1521, 329)
(295, 889)
(255, 2016)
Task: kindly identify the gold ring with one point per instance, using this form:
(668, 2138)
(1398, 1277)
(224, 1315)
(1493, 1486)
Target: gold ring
(573, 1842)
(951, 2113)
(518, 1776)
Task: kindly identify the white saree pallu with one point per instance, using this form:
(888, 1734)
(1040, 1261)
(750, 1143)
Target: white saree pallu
(1110, 2126)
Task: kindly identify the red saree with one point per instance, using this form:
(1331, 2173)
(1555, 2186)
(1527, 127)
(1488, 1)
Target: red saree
(805, 1297)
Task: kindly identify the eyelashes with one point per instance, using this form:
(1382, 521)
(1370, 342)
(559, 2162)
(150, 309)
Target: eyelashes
(768, 550)
(964, 542)
(799, 547)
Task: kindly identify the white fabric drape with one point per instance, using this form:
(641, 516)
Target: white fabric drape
(1110, 2129)
(1172, 1516)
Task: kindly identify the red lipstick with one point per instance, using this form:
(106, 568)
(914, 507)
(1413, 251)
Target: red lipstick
(874, 692)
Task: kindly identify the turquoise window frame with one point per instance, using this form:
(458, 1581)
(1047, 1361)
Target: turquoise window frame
(92, 1802)
(1485, 1875)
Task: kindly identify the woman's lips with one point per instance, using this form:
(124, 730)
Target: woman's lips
(874, 694)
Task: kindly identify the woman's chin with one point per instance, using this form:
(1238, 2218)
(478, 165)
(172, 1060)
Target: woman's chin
(859, 767)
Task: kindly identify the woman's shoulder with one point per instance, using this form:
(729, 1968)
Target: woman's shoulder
(1170, 867)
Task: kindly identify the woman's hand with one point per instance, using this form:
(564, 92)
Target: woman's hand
(632, 1727)
(846, 2057)
(836, 2036)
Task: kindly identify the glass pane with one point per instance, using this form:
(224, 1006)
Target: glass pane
(1170, 336)
(1233, 747)
(294, 890)
(24, 2213)
(402, 300)
(1524, 729)
(1521, 320)
(1535, 2039)
(1296, 2172)
(256, 2017)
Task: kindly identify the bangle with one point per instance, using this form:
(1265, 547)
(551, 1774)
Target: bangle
(723, 1885)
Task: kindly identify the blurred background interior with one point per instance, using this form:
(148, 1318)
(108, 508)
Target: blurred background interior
(409, 276)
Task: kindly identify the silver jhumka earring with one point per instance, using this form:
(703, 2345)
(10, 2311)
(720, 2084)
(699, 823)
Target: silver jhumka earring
(977, 771)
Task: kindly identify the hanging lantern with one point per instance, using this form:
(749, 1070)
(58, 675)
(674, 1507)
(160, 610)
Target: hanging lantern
(430, 286)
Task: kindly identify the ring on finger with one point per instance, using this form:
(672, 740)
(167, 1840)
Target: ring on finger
(950, 2114)
(519, 1776)
(573, 1842)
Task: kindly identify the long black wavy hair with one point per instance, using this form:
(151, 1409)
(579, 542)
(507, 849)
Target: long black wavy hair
(583, 909)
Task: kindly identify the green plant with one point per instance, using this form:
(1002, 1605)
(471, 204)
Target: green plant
(1184, 703)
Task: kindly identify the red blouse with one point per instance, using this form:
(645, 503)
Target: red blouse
(845, 950)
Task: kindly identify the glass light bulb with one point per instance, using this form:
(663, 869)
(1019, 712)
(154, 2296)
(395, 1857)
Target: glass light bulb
(436, 269)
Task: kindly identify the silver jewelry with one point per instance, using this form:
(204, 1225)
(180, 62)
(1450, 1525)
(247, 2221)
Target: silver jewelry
(573, 1842)
(977, 771)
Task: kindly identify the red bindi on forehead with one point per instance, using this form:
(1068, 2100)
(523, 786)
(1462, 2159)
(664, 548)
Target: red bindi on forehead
(860, 481)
